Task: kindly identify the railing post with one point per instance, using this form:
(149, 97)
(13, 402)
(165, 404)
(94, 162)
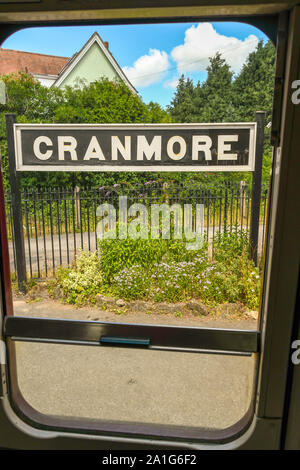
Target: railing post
(225, 209)
(77, 205)
(242, 201)
(16, 204)
(256, 184)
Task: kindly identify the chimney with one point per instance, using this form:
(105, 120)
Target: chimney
(106, 44)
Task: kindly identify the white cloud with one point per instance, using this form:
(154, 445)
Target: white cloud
(172, 83)
(148, 69)
(203, 41)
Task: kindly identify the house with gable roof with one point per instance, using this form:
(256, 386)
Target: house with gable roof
(92, 62)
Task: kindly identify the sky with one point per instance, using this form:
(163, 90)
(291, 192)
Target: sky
(152, 56)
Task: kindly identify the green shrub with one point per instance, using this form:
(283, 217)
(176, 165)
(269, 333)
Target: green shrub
(162, 282)
(237, 280)
(176, 281)
(231, 244)
(230, 277)
(164, 271)
(117, 255)
(132, 283)
(81, 283)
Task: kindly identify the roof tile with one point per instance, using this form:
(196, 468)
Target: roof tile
(12, 61)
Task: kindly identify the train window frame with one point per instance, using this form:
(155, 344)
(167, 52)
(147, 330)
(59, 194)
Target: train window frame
(268, 410)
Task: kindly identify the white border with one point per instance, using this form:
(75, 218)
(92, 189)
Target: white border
(252, 126)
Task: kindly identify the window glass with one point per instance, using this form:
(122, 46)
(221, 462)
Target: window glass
(155, 387)
(167, 230)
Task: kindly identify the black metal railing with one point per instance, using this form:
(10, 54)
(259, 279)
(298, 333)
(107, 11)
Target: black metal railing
(59, 221)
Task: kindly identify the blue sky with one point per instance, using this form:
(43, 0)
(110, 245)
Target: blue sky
(153, 56)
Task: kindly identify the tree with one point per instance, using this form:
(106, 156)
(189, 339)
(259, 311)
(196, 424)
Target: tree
(157, 113)
(253, 87)
(222, 97)
(31, 102)
(28, 99)
(102, 101)
(182, 105)
(215, 94)
(225, 98)
(210, 101)
(253, 91)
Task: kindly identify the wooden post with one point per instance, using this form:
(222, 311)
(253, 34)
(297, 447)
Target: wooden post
(16, 204)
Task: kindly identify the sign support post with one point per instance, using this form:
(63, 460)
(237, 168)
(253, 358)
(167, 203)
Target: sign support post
(256, 184)
(16, 204)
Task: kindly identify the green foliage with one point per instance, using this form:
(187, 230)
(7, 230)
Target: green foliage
(132, 283)
(211, 282)
(169, 281)
(223, 97)
(81, 283)
(28, 99)
(230, 244)
(210, 101)
(215, 94)
(230, 276)
(176, 281)
(163, 271)
(117, 255)
(253, 91)
(253, 87)
(102, 101)
(182, 105)
(31, 102)
(237, 281)
(233, 275)
(157, 114)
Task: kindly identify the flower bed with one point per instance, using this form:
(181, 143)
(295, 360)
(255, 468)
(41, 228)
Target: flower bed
(166, 272)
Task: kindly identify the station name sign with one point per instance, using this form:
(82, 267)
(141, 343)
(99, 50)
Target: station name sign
(135, 147)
